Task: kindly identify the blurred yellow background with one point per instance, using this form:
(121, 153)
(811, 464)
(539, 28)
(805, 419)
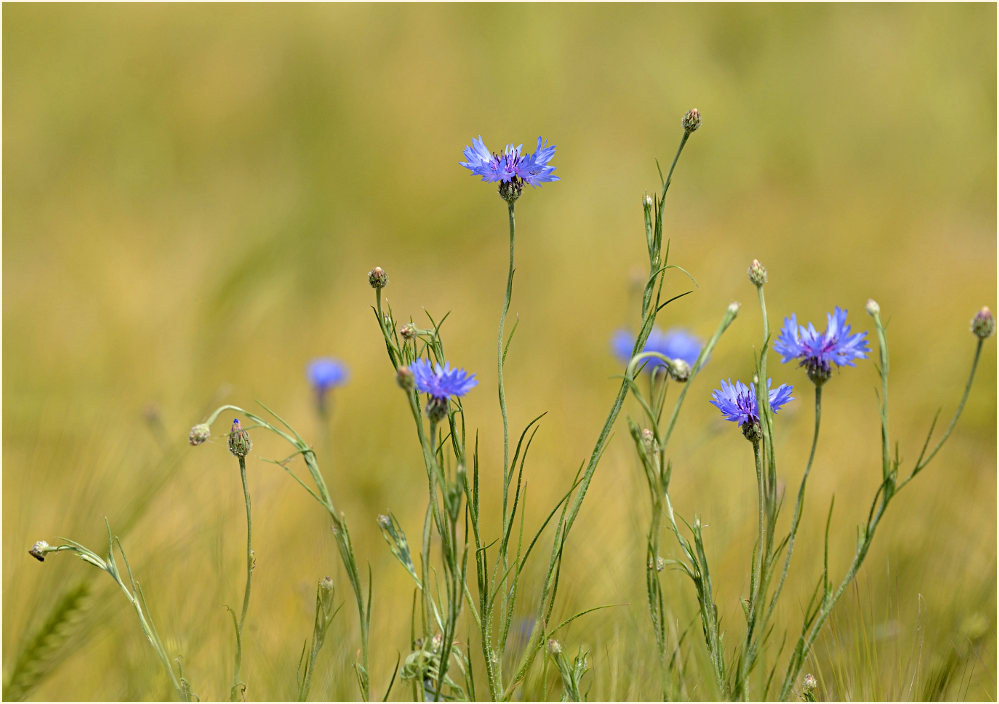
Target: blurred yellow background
(193, 195)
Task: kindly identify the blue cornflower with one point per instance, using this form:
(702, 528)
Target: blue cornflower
(675, 343)
(441, 383)
(325, 373)
(511, 166)
(818, 351)
(738, 404)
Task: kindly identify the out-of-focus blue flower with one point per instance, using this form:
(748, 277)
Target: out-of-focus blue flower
(675, 343)
(818, 351)
(325, 373)
(511, 165)
(737, 402)
(441, 382)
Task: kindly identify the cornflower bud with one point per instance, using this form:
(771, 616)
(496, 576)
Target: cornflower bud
(378, 278)
(734, 307)
(239, 440)
(38, 550)
(692, 120)
(757, 273)
(679, 370)
(809, 683)
(407, 331)
(405, 378)
(199, 434)
(554, 647)
(872, 307)
(983, 324)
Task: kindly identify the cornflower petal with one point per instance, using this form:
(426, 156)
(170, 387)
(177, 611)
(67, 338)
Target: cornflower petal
(737, 402)
(512, 165)
(441, 382)
(819, 351)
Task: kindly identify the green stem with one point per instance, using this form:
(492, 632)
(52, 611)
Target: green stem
(249, 574)
(799, 503)
(499, 365)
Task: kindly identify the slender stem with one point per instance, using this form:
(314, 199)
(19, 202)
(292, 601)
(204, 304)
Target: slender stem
(249, 574)
(799, 503)
(499, 362)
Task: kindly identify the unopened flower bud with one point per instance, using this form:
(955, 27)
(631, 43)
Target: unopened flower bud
(809, 683)
(324, 599)
(383, 520)
(733, 307)
(679, 370)
(647, 202)
(378, 278)
(38, 550)
(554, 647)
(239, 440)
(436, 409)
(660, 564)
(692, 120)
(872, 307)
(983, 324)
(405, 379)
(199, 434)
(436, 642)
(407, 331)
(757, 273)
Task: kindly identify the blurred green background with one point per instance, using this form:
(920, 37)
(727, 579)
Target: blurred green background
(193, 195)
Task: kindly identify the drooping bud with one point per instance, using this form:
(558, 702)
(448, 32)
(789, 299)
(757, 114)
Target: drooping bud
(692, 120)
(239, 440)
(678, 370)
(757, 273)
(405, 378)
(872, 307)
(38, 550)
(199, 434)
(407, 331)
(378, 278)
(983, 324)
(510, 190)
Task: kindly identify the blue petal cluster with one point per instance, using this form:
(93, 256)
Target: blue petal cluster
(675, 343)
(441, 382)
(818, 351)
(738, 402)
(325, 373)
(529, 168)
